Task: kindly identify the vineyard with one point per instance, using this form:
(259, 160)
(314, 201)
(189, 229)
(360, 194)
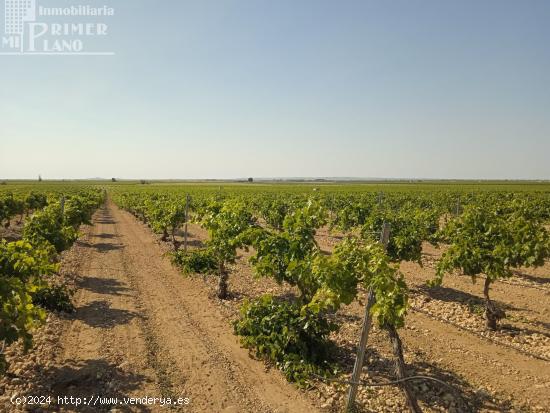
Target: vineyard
(278, 297)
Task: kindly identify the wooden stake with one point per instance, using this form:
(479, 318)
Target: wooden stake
(385, 235)
(365, 330)
(380, 196)
(187, 198)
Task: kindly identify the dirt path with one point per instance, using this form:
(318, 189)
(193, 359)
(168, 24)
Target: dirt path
(503, 370)
(498, 368)
(526, 300)
(141, 329)
(445, 351)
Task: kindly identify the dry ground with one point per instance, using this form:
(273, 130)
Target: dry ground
(142, 329)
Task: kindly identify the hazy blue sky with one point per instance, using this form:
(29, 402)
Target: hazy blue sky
(222, 89)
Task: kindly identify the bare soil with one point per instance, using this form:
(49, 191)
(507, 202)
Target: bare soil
(141, 329)
(444, 338)
(500, 371)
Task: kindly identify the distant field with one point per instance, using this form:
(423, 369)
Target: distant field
(178, 283)
(304, 187)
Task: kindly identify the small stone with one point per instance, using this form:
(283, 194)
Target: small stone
(482, 393)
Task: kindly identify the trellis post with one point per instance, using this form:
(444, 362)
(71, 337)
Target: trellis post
(365, 329)
(187, 199)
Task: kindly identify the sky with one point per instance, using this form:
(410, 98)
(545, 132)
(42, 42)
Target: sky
(288, 88)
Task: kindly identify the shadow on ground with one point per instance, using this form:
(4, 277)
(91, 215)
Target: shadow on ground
(105, 219)
(89, 380)
(448, 294)
(458, 393)
(533, 278)
(100, 314)
(105, 247)
(107, 236)
(102, 285)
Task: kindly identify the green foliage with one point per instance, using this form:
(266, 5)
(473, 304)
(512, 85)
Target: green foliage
(78, 210)
(54, 298)
(287, 252)
(18, 314)
(409, 228)
(295, 339)
(10, 205)
(354, 263)
(351, 213)
(325, 282)
(165, 214)
(21, 266)
(484, 241)
(25, 264)
(200, 261)
(226, 224)
(49, 226)
(58, 225)
(274, 211)
(492, 241)
(287, 255)
(390, 291)
(22, 260)
(35, 200)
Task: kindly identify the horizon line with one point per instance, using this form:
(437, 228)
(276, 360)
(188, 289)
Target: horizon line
(294, 179)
